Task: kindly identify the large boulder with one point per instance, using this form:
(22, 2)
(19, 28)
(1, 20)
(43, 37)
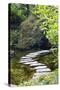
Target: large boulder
(29, 33)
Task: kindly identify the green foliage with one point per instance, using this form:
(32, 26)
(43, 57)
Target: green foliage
(22, 74)
(27, 33)
(43, 18)
(19, 72)
(50, 16)
(18, 14)
(31, 19)
(26, 23)
(14, 37)
(51, 60)
(51, 78)
(30, 33)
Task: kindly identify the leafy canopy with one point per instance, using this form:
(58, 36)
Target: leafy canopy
(49, 15)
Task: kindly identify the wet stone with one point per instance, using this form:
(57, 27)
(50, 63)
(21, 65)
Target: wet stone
(43, 70)
(40, 68)
(36, 64)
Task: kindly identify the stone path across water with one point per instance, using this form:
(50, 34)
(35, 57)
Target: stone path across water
(40, 68)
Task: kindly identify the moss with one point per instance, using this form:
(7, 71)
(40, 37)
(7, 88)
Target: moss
(51, 78)
(51, 60)
(29, 33)
(20, 76)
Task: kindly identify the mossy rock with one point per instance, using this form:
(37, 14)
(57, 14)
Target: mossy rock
(29, 33)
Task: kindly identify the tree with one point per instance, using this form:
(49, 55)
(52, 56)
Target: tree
(48, 16)
(18, 13)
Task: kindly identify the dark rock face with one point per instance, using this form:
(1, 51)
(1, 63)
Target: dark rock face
(34, 46)
(44, 43)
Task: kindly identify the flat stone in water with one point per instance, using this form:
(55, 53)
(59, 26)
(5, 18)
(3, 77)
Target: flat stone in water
(32, 62)
(23, 62)
(36, 64)
(25, 57)
(31, 56)
(26, 63)
(26, 60)
(40, 67)
(37, 53)
(43, 51)
(43, 70)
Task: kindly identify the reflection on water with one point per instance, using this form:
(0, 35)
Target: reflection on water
(20, 72)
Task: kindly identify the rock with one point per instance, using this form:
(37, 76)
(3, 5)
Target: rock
(40, 67)
(43, 70)
(36, 64)
(25, 57)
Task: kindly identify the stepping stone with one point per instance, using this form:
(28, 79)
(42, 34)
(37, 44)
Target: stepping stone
(43, 70)
(26, 63)
(31, 56)
(36, 64)
(26, 60)
(43, 51)
(40, 67)
(25, 57)
(23, 61)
